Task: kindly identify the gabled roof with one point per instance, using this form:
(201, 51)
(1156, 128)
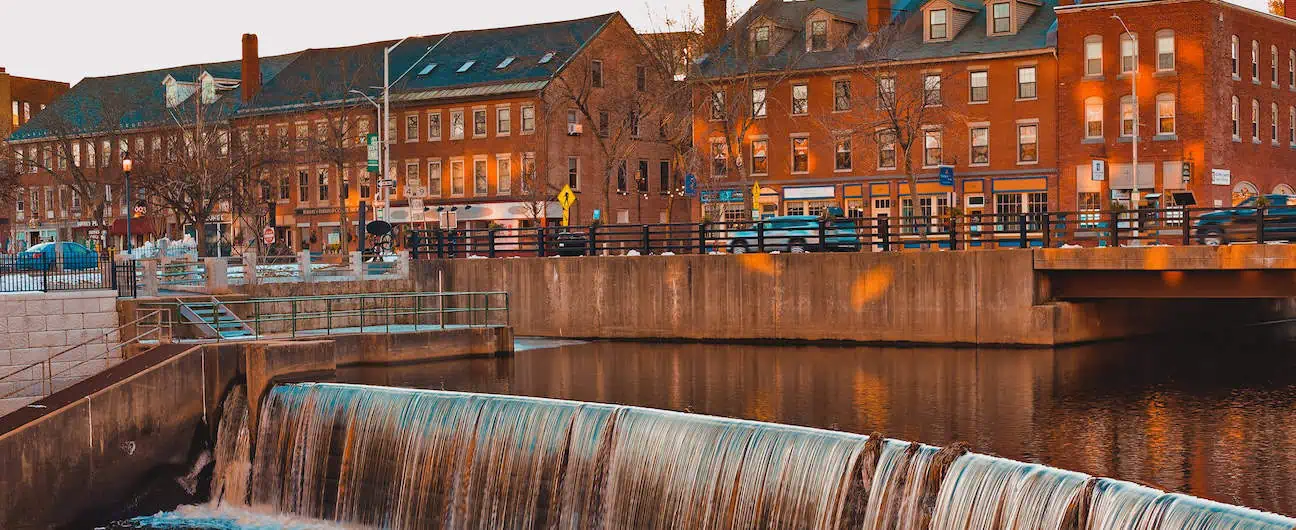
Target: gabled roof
(140, 94)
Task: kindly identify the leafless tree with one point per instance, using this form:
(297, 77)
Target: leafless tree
(674, 42)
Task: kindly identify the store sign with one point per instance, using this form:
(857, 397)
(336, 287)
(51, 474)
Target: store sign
(317, 211)
(1098, 169)
(723, 196)
(811, 192)
(1221, 177)
(947, 175)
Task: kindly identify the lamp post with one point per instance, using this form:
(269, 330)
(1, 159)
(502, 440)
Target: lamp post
(126, 170)
(1134, 194)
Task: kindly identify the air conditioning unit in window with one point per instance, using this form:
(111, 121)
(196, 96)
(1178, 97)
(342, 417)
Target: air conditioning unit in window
(575, 129)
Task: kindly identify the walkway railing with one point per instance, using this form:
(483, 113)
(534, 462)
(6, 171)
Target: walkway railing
(1163, 226)
(34, 272)
(42, 378)
(361, 313)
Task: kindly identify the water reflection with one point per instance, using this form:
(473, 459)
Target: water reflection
(1212, 418)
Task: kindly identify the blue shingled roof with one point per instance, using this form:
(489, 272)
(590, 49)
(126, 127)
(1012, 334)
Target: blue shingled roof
(81, 108)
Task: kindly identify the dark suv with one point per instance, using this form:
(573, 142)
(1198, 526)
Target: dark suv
(1238, 223)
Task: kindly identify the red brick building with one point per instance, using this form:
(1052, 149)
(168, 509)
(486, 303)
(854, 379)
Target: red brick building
(21, 99)
(1216, 102)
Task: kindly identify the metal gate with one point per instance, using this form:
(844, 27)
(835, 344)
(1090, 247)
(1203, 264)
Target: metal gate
(124, 279)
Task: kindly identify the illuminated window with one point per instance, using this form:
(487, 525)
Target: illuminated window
(1028, 143)
(800, 155)
(1165, 43)
(1128, 53)
(1093, 111)
(1165, 105)
(980, 140)
(760, 157)
(932, 148)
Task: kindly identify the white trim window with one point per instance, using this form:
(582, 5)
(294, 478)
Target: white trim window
(842, 160)
(979, 138)
(1026, 83)
(1237, 126)
(413, 182)
(1234, 52)
(938, 24)
(1273, 123)
(931, 89)
(1273, 66)
(503, 121)
(479, 123)
(1128, 53)
(434, 125)
(1093, 113)
(1255, 62)
(800, 99)
(412, 128)
(800, 154)
(503, 174)
(457, 124)
(481, 176)
(1255, 121)
(1001, 18)
(528, 119)
(1027, 143)
(1165, 112)
(573, 172)
(760, 157)
(1093, 55)
(1165, 44)
(932, 143)
(841, 95)
(1127, 116)
(1291, 125)
(886, 142)
(758, 109)
(979, 86)
(434, 177)
(457, 177)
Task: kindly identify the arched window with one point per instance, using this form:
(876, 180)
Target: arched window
(1255, 121)
(1093, 112)
(1165, 112)
(1283, 189)
(1244, 190)
(1237, 131)
(1234, 55)
(1273, 65)
(1093, 55)
(1127, 116)
(1255, 61)
(1273, 123)
(1165, 46)
(1128, 53)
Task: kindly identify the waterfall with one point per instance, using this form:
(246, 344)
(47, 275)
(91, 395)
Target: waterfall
(233, 451)
(399, 458)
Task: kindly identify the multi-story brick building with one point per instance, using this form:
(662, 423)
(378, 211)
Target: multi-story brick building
(486, 126)
(1216, 102)
(989, 67)
(21, 99)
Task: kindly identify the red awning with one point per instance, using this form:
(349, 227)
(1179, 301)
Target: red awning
(140, 226)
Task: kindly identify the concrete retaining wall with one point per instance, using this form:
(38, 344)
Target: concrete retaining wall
(35, 326)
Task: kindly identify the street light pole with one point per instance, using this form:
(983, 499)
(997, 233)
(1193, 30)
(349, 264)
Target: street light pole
(130, 208)
(1134, 195)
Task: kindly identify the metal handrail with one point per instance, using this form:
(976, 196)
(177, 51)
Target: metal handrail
(48, 374)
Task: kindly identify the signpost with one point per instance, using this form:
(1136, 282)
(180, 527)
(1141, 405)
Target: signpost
(755, 199)
(690, 185)
(268, 235)
(371, 141)
(566, 198)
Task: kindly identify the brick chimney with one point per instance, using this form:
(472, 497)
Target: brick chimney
(879, 14)
(251, 68)
(715, 20)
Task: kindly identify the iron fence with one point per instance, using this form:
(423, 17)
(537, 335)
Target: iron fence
(1164, 226)
(33, 272)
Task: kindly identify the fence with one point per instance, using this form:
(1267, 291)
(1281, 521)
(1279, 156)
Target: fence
(1166, 226)
(37, 273)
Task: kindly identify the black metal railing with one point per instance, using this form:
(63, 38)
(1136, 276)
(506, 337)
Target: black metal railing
(1163, 226)
(31, 272)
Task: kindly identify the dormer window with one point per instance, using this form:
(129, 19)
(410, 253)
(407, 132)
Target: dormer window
(937, 24)
(761, 40)
(427, 69)
(819, 35)
(546, 58)
(505, 63)
(1001, 17)
(172, 93)
(208, 89)
(466, 66)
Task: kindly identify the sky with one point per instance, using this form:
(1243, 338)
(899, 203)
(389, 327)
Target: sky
(96, 38)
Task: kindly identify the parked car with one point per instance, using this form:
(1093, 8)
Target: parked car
(41, 257)
(1238, 223)
(796, 233)
(571, 244)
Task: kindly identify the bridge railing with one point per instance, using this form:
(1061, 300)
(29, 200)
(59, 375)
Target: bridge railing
(931, 229)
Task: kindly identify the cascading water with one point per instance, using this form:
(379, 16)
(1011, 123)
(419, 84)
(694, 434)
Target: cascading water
(233, 451)
(397, 458)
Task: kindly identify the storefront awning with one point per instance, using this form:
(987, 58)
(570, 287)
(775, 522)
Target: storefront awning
(140, 226)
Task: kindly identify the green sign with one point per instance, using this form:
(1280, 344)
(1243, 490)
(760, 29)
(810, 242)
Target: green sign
(371, 142)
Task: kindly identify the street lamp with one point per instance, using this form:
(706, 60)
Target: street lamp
(386, 109)
(127, 164)
(1134, 194)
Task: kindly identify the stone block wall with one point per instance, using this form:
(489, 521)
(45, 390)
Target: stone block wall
(36, 326)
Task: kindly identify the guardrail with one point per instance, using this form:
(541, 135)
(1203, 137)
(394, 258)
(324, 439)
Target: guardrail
(66, 367)
(1163, 226)
(45, 273)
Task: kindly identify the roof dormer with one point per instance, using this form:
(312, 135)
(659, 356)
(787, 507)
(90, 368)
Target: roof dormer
(944, 19)
(176, 91)
(1006, 17)
(768, 35)
(827, 30)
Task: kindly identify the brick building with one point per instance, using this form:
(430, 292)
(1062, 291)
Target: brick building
(21, 99)
(1216, 102)
(993, 119)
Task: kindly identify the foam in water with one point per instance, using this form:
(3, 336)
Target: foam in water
(982, 492)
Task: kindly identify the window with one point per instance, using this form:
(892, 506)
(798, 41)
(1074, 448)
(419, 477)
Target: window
(76, 154)
(1234, 51)
(434, 126)
(633, 118)
(412, 128)
(1255, 61)
(1273, 123)
(1291, 125)
(932, 147)
(1237, 130)
(505, 63)
(1255, 120)
(1273, 65)
(528, 170)
(456, 125)
(819, 35)
(1027, 143)
(980, 139)
(663, 176)
(719, 158)
(427, 69)
(434, 178)
(641, 78)
(621, 176)
(412, 181)
(1165, 105)
(457, 178)
(800, 155)
(842, 162)
(479, 123)
(596, 74)
(760, 157)
(323, 175)
(573, 172)
(841, 95)
(1165, 44)
(931, 89)
(1001, 13)
(758, 102)
(886, 90)
(285, 188)
(603, 123)
(528, 119)
(481, 179)
(800, 99)
(1026, 82)
(1127, 116)
(717, 105)
(546, 58)
(15, 115)
(503, 121)
(303, 131)
(641, 177)
(1128, 53)
(1291, 68)
(303, 185)
(761, 38)
(466, 66)
(886, 150)
(1093, 111)
(365, 189)
(979, 83)
(937, 28)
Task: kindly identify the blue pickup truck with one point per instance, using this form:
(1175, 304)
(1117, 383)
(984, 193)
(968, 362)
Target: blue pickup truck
(796, 234)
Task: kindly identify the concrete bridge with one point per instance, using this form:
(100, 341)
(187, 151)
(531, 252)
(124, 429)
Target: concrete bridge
(1224, 272)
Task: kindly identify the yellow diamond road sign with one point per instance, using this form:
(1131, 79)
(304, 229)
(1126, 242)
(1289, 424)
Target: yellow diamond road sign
(566, 197)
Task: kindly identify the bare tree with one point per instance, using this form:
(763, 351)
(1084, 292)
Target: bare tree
(674, 42)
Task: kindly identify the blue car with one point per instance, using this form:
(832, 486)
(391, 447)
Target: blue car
(797, 234)
(1238, 223)
(41, 257)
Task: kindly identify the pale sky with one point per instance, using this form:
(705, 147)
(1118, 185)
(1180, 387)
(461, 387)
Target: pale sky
(66, 40)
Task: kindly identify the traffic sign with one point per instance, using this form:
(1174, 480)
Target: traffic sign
(755, 191)
(566, 198)
(387, 183)
(947, 175)
(690, 185)
(268, 235)
(371, 142)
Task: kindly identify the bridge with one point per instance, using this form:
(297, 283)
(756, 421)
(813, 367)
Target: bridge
(1248, 271)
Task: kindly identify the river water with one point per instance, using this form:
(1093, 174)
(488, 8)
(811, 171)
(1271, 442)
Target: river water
(1214, 418)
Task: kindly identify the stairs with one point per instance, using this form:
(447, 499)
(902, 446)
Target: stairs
(215, 320)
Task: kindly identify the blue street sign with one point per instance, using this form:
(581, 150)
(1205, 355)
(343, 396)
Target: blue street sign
(597, 214)
(690, 185)
(947, 175)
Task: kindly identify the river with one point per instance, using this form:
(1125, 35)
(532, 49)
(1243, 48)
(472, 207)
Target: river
(1214, 417)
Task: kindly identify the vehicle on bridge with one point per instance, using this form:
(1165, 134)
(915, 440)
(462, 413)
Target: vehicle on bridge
(75, 256)
(796, 234)
(1239, 223)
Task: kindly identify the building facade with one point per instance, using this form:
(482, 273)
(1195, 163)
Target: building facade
(21, 99)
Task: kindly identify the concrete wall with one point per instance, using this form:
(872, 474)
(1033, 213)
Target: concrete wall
(35, 326)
